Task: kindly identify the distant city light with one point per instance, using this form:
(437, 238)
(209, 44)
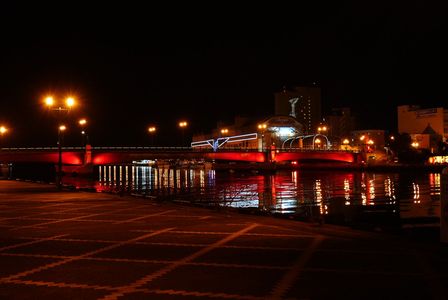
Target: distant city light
(49, 101)
(262, 126)
(152, 129)
(70, 101)
(224, 131)
(345, 142)
(3, 130)
(82, 122)
(62, 128)
(183, 124)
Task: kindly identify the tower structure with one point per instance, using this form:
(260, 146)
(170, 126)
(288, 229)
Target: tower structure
(302, 103)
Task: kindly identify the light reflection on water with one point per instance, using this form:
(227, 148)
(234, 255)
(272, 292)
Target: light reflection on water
(337, 197)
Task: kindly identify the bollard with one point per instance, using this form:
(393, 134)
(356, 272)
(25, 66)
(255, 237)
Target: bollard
(444, 206)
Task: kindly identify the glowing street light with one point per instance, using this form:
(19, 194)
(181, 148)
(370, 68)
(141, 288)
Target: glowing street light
(152, 131)
(262, 126)
(183, 125)
(85, 138)
(70, 101)
(345, 142)
(415, 144)
(224, 131)
(370, 142)
(52, 104)
(49, 101)
(322, 129)
(3, 130)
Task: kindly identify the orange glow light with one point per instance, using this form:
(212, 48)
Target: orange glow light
(3, 130)
(49, 101)
(70, 101)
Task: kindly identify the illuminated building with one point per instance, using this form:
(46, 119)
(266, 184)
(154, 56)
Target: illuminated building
(248, 134)
(302, 103)
(340, 123)
(412, 119)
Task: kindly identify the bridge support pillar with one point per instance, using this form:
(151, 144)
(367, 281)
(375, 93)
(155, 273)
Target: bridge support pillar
(88, 155)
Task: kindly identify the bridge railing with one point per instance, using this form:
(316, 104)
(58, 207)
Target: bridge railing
(175, 149)
(16, 149)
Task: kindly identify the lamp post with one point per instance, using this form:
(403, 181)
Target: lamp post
(3, 131)
(61, 130)
(85, 137)
(346, 142)
(322, 129)
(183, 125)
(152, 131)
(50, 103)
(262, 142)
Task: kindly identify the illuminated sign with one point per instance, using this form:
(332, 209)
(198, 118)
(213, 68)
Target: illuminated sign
(439, 159)
(219, 142)
(426, 112)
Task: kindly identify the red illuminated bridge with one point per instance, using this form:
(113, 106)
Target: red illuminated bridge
(117, 155)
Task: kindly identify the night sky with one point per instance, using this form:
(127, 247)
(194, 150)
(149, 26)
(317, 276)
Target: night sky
(132, 65)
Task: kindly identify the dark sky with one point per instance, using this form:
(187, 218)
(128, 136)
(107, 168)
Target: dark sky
(135, 64)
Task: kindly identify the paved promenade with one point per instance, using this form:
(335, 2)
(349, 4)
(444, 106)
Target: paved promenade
(76, 245)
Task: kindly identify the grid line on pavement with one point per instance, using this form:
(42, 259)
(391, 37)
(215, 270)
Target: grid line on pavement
(73, 219)
(198, 294)
(74, 258)
(146, 279)
(288, 279)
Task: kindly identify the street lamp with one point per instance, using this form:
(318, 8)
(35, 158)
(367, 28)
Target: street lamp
(224, 131)
(3, 131)
(346, 142)
(61, 130)
(317, 142)
(183, 125)
(322, 129)
(51, 104)
(152, 131)
(85, 137)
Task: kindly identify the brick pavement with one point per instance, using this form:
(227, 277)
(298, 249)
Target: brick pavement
(76, 245)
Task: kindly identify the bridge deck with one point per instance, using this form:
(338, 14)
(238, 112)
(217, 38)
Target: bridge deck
(115, 155)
